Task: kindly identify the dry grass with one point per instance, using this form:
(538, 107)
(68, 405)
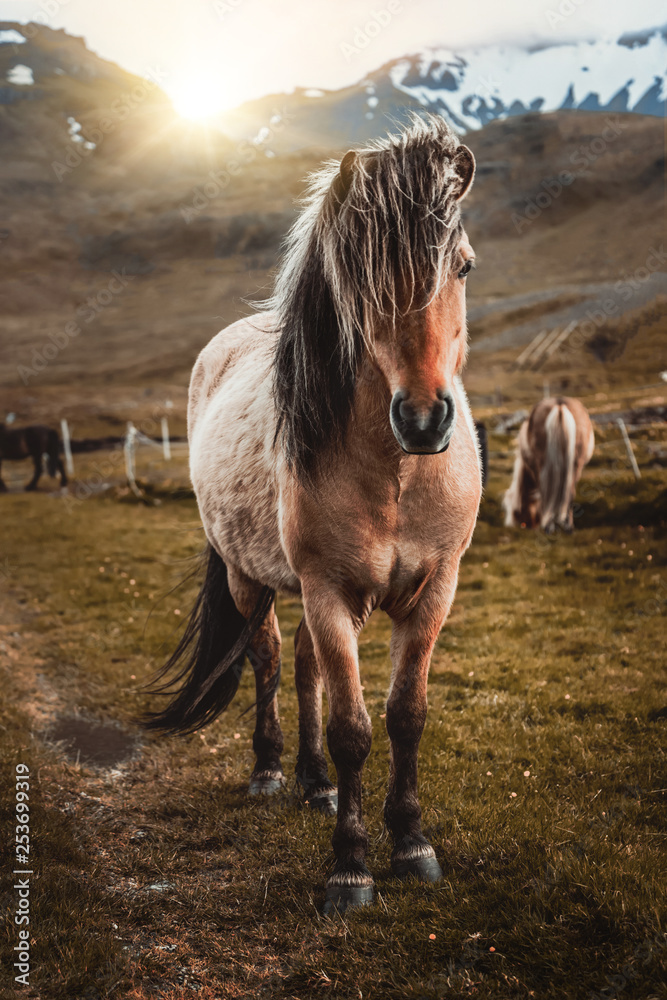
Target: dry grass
(551, 664)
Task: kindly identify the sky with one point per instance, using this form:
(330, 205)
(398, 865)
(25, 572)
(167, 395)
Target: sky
(214, 54)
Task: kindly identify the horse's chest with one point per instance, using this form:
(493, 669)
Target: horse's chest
(385, 543)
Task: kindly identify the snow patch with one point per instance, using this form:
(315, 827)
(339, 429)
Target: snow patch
(313, 93)
(20, 76)
(11, 37)
(74, 128)
(372, 102)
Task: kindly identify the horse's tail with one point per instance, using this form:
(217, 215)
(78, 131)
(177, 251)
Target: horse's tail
(557, 475)
(210, 656)
(53, 452)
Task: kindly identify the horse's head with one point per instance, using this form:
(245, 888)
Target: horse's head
(374, 274)
(427, 351)
(401, 205)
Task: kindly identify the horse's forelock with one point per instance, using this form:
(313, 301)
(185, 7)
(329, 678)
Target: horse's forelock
(397, 228)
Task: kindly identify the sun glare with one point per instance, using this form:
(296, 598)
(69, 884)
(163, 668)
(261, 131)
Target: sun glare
(198, 99)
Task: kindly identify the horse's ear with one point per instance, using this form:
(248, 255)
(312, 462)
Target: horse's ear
(464, 165)
(343, 179)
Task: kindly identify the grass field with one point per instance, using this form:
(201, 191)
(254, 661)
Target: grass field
(543, 772)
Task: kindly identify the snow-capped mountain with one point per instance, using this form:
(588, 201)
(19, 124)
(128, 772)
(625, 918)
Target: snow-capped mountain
(473, 87)
(470, 88)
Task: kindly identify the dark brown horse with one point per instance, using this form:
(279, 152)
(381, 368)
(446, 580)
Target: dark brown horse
(32, 442)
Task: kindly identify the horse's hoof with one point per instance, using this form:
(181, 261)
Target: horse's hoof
(324, 801)
(266, 783)
(420, 862)
(340, 898)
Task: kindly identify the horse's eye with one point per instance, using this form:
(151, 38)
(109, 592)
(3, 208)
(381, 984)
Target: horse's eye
(467, 268)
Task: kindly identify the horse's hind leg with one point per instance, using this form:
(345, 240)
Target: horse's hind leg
(412, 643)
(37, 459)
(264, 658)
(311, 766)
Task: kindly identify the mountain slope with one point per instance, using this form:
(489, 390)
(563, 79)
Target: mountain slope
(63, 109)
(471, 88)
(479, 85)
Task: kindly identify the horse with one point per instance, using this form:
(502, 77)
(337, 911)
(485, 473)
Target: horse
(553, 446)
(32, 442)
(334, 456)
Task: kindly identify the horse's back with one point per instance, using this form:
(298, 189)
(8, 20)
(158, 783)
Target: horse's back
(235, 355)
(22, 442)
(535, 437)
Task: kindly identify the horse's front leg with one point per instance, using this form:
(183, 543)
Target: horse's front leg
(413, 637)
(3, 487)
(334, 628)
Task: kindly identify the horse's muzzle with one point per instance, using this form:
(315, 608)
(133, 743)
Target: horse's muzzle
(420, 433)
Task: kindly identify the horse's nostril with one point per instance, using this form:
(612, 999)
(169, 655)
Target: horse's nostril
(448, 410)
(405, 411)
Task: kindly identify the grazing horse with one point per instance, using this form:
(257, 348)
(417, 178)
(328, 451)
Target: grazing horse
(553, 446)
(32, 442)
(334, 455)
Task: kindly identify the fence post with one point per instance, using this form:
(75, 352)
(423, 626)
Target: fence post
(166, 447)
(129, 449)
(67, 447)
(628, 446)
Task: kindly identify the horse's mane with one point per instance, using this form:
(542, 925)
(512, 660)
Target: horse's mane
(374, 230)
